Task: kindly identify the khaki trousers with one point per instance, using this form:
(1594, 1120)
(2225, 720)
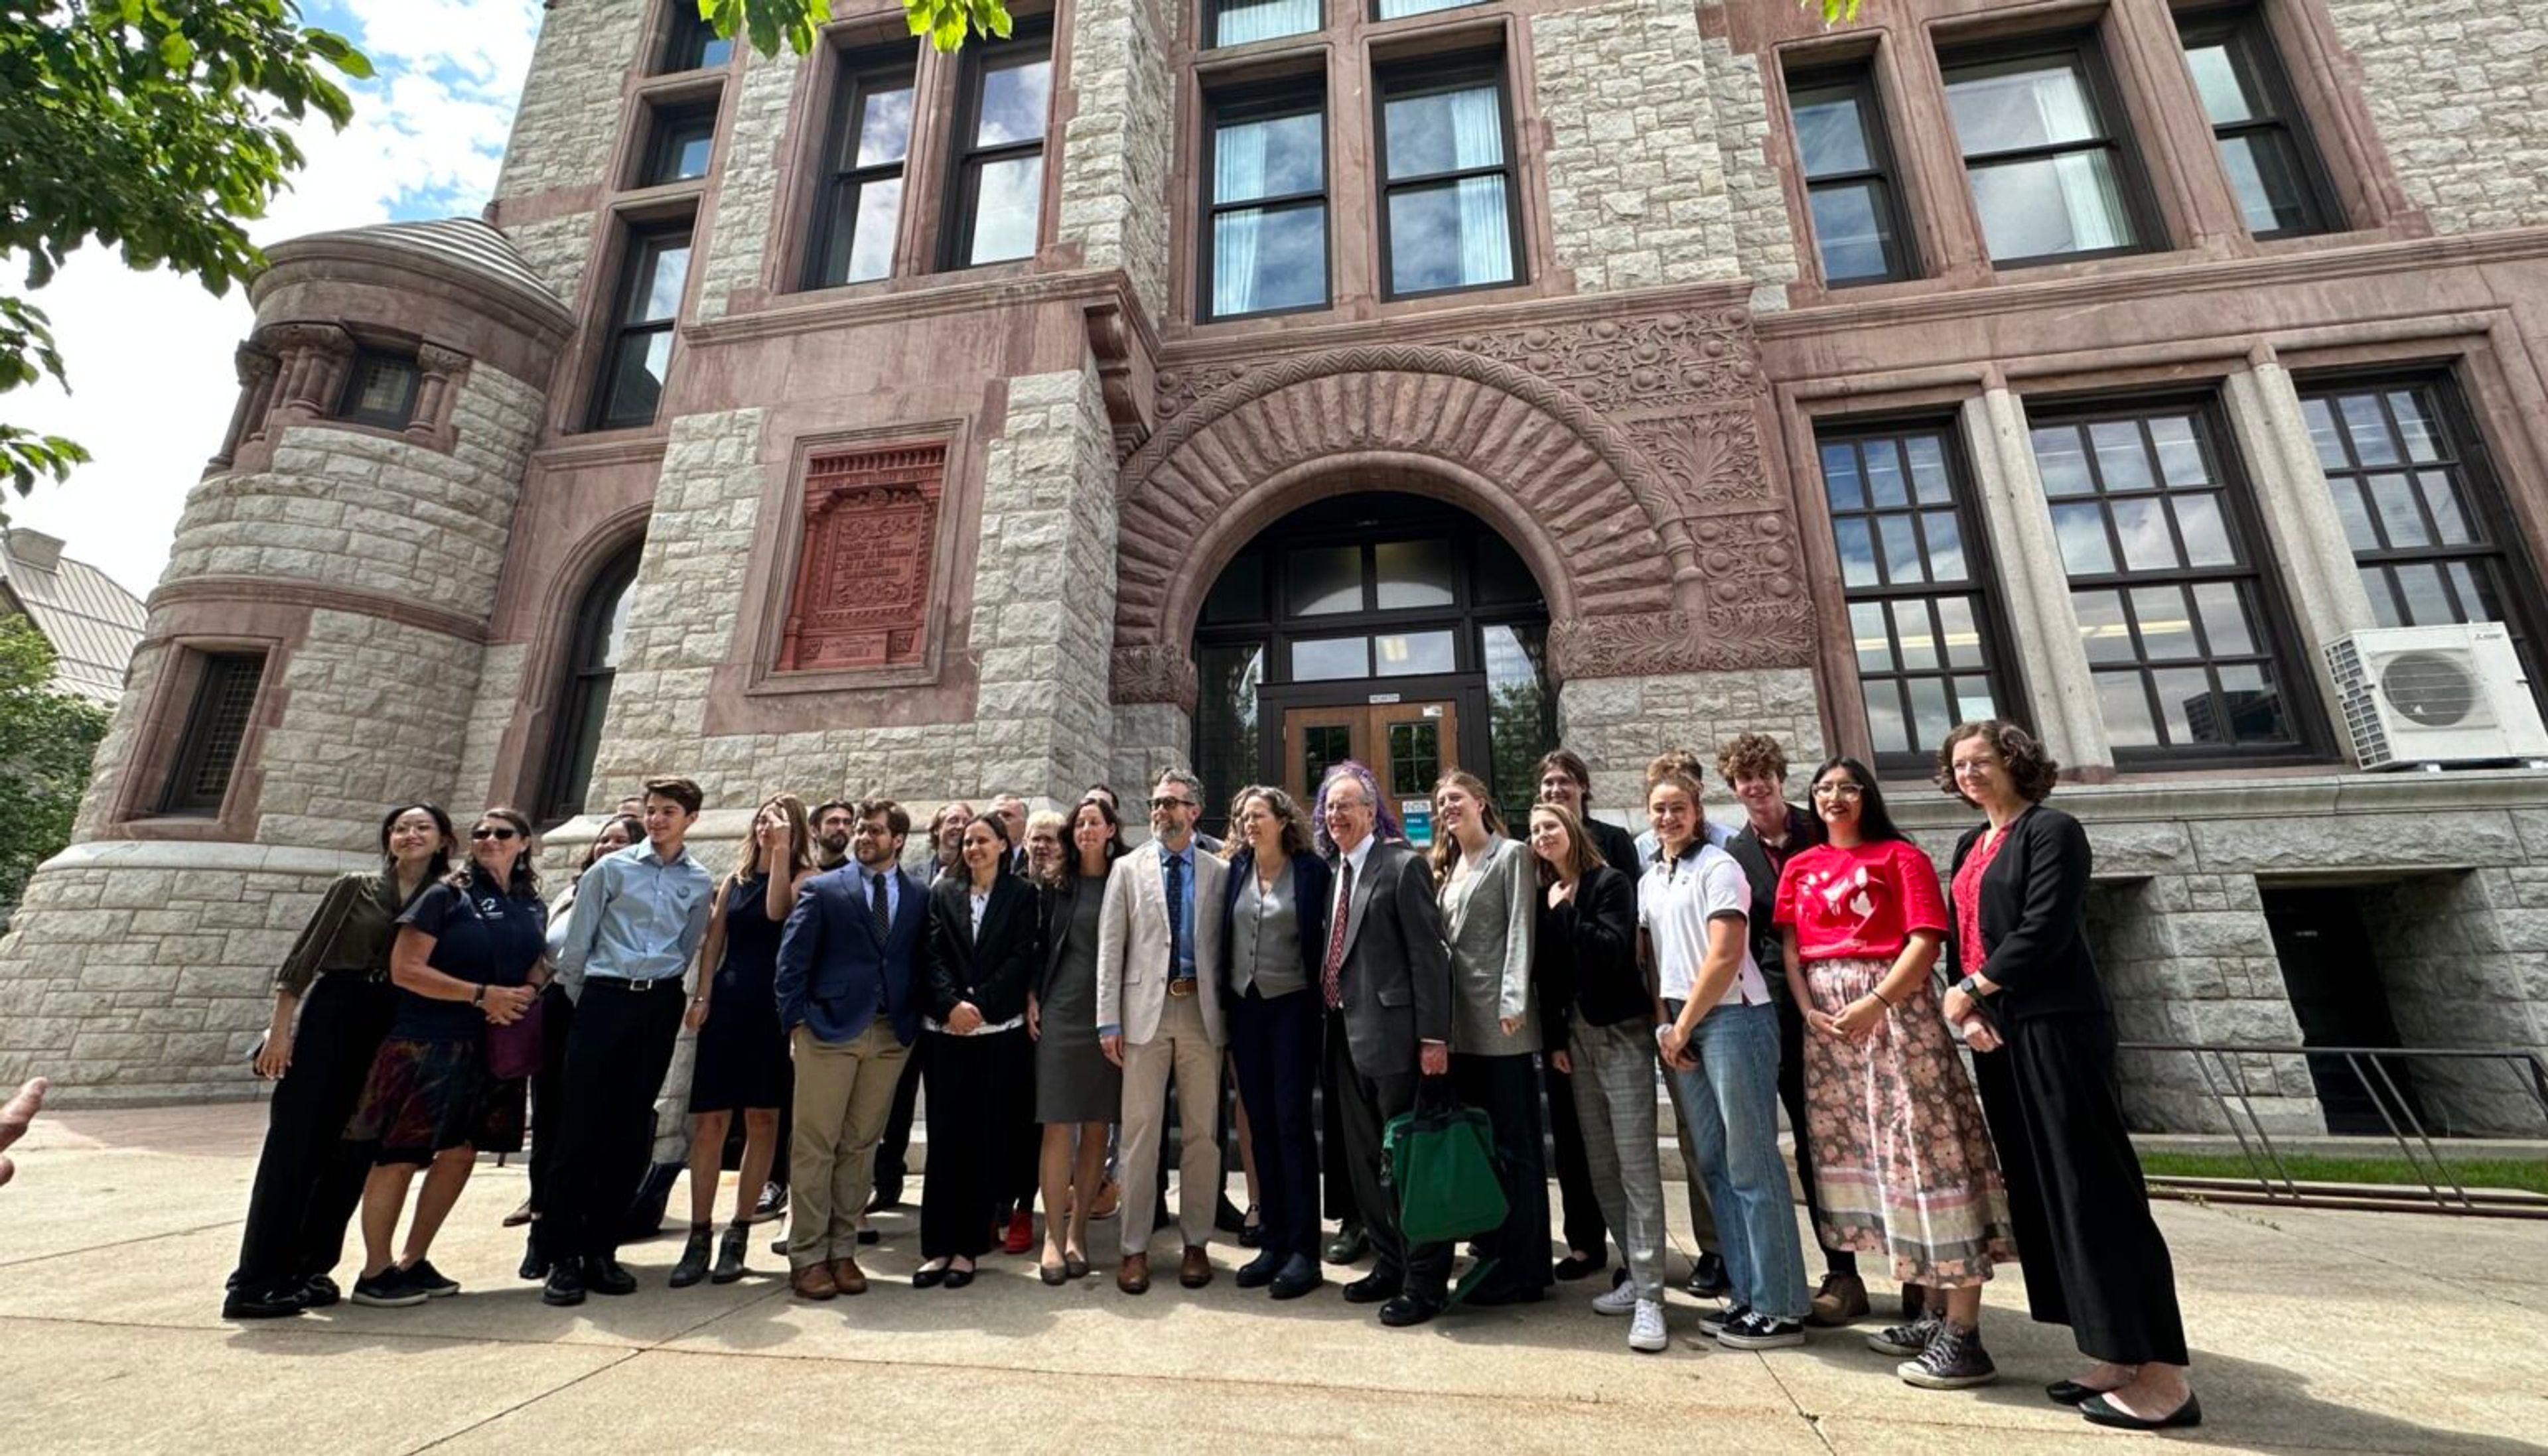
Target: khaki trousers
(1182, 1046)
(843, 1094)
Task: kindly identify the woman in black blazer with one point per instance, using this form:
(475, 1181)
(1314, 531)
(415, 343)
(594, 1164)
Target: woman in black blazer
(2028, 1001)
(979, 1068)
(1274, 933)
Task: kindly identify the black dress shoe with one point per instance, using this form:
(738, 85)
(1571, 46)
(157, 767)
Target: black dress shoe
(928, 1278)
(318, 1292)
(1349, 1244)
(565, 1286)
(958, 1278)
(2070, 1392)
(1300, 1275)
(2102, 1411)
(1251, 1230)
(1371, 1289)
(1260, 1271)
(1707, 1277)
(264, 1304)
(535, 1265)
(605, 1276)
(870, 1237)
(1407, 1310)
(888, 1196)
(1226, 1215)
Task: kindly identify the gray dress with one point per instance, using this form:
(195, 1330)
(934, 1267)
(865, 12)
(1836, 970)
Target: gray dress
(1074, 1082)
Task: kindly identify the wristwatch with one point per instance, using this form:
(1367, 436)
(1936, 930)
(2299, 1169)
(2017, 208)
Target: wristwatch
(1972, 986)
(478, 997)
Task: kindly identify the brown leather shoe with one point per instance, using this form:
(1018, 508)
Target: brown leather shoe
(1196, 1271)
(847, 1278)
(1134, 1276)
(815, 1282)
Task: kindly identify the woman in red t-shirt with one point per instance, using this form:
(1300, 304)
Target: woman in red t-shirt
(1902, 1160)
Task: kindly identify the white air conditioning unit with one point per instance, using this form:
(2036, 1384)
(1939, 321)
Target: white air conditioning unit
(2436, 695)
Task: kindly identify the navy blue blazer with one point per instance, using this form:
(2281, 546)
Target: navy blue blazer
(1314, 885)
(831, 962)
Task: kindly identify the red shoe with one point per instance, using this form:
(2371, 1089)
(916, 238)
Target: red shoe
(1021, 1235)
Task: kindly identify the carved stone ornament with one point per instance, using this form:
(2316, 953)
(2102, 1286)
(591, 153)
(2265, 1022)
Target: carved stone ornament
(861, 597)
(1634, 364)
(1759, 613)
(1630, 645)
(1710, 460)
(1151, 673)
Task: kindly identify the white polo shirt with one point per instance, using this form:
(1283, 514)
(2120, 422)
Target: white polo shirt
(1675, 903)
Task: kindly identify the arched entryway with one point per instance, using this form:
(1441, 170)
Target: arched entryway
(1377, 625)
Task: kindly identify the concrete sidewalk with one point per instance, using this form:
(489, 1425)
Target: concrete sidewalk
(2312, 1332)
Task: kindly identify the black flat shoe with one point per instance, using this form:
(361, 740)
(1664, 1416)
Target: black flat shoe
(1052, 1274)
(2070, 1392)
(928, 1278)
(2101, 1412)
(1579, 1266)
(870, 1237)
(958, 1278)
(1075, 1266)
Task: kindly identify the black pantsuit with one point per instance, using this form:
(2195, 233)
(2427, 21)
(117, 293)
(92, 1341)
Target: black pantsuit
(1506, 1089)
(548, 1096)
(1334, 1178)
(1585, 1233)
(1275, 1045)
(309, 1179)
(2095, 1257)
(615, 1060)
(981, 1107)
(1365, 1105)
(894, 1154)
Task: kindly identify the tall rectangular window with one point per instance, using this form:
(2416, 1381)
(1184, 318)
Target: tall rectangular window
(640, 351)
(2050, 179)
(2174, 616)
(1849, 177)
(1266, 245)
(2271, 165)
(1449, 217)
(683, 142)
(217, 721)
(861, 203)
(1917, 578)
(1238, 22)
(1000, 164)
(2429, 529)
(693, 44)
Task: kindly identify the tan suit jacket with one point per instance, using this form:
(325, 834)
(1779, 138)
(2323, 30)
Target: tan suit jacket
(1133, 968)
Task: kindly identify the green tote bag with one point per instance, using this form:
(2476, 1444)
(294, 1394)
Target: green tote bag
(1440, 1159)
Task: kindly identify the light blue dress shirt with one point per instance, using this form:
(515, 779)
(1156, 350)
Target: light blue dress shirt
(637, 916)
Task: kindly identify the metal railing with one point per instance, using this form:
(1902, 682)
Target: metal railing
(2225, 1073)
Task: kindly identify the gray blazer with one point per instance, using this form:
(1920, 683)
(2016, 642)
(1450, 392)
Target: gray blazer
(1396, 981)
(1487, 918)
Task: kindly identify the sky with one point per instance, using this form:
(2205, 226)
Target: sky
(149, 354)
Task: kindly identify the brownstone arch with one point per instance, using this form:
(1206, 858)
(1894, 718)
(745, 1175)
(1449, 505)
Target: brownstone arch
(1566, 488)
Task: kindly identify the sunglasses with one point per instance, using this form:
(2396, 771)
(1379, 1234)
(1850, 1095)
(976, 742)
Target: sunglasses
(1171, 804)
(484, 832)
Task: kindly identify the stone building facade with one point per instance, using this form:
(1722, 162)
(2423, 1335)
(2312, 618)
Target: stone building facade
(1245, 382)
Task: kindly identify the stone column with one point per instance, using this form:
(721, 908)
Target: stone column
(2037, 589)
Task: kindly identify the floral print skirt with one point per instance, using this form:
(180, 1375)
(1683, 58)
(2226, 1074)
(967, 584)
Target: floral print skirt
(1903, 1163)
(424, 1097)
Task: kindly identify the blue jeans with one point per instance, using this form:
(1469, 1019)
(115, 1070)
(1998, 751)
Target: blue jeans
(1730, 1101)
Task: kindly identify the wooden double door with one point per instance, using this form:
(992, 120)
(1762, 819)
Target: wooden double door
(1409, 744)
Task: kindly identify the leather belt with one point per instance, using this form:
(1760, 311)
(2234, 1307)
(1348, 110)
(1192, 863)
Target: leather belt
(1183, 985)
(625, 984)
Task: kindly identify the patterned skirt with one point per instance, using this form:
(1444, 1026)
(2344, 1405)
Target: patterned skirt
(1903, 1163)
(424, 1097)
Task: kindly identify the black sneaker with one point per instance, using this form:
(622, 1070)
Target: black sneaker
(605, 1276)
(1759, 1331)
(1954, 1360)
(1905, 1339)
(771, 1203)
(435, 1284)
(388, 1289)
(320, 1292)
(1715, 1320)
(1707, 1279)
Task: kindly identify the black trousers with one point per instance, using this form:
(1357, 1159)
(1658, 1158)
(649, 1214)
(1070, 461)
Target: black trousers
(1585, 1233)
(1334, 1177)
(894, 1154)
(308, 1181)
(548, 1096)
(1791, 1095)
(1275, 1047)
(1365, 1105)
(615, 1060)
(2094, 1258)
(1507, 1090)
(981, 1107)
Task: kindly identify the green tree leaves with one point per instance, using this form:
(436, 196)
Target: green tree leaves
(47, 738)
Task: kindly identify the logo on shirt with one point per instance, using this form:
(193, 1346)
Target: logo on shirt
(491, 906)
(1842, 894)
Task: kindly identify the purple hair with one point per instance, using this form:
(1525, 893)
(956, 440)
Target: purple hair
(1384, 823)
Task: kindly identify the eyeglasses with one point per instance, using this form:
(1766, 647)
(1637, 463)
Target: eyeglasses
(485, 832)
(1839, 791)
(1171, 804)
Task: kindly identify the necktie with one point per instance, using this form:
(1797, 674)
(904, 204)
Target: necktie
(879, 907)
(1328, 974)
(1176, 918)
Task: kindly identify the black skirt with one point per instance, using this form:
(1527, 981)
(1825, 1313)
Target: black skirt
(427, 1097)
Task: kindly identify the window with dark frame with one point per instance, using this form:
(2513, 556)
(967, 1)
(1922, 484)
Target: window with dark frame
(998, 192)
(1450, 217)
(2273, 169)
(1401, 9)
(1915, 573)
(1238, 22)
(216, 728)
(680, 145)
(2183, 639)
(1265, 202)
(584, 697)
(2429, 529)
(860, 208)
(693, 45)
(379, 390)
(639, 356)
(1847, 168)
(2051, 178)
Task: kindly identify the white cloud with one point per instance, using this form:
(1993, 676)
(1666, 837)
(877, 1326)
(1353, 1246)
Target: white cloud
(150, 353)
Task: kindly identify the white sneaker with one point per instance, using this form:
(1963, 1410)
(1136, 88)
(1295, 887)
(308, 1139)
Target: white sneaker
(1646, 1333)
(1618, 1299)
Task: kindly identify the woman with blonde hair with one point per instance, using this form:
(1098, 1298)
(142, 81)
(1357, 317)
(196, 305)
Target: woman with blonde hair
(742, 1057)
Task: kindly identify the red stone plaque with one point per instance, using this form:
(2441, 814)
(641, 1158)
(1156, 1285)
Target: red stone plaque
(861, 592)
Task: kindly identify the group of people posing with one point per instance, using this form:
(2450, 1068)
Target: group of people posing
(1053, 982)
